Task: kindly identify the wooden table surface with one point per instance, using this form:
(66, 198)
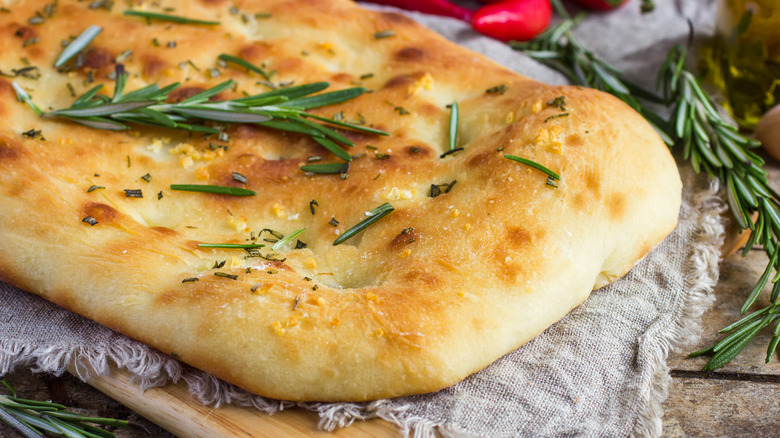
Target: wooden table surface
(739, 400)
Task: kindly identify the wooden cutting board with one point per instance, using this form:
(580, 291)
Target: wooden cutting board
(172, 408)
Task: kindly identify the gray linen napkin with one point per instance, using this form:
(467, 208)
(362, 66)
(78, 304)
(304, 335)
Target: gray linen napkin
(601, 371)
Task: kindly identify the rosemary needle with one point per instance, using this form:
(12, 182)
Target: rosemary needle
(454, 115)
(231, 245)
(166, 17)
(326, 168)
(244, 63)
(219, 190)
(533, 164)
(77, 45)
(276, 246)
(374, 215)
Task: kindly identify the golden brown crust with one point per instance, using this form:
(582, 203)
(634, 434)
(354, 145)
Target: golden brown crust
(435, 291)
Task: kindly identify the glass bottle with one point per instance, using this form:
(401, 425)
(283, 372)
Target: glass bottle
(746, 61)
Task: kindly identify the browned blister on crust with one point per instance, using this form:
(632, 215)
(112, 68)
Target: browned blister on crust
(436, 290)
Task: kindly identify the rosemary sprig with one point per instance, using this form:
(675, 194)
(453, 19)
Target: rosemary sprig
(283, 109)
(709, 143)
(713, 145)
(33, 418)
(167, 17)
(374, 215)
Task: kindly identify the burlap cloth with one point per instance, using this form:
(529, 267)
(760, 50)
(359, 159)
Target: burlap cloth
(601, 371)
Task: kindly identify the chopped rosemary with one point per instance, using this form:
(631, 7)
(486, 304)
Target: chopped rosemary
(326, 168)
(375, 214)
(438, 189)
(454, 116)
(147, 177)
(90, 220)
(313, 203)
(77, 45)
(559, 102)
(450, 152)
(133, 193)
(167, 17)
(384, 34)
(218, 190)
(231, 245)
(226, 275)
(333, 222)
(190, 280)
(533, 164)
(93, 187)
(498, 89)
(555, 116)
(274, 233)
(32, 133)
(276, 246)
(123, 56)
(238, 177)
(30, 41)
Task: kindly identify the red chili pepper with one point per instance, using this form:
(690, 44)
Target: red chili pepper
(602, 5)
(435, 7)
(519, 20)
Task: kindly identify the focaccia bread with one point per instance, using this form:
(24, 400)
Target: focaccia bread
(480, 254)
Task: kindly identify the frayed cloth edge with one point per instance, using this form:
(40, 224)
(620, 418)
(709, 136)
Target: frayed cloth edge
(700, 281)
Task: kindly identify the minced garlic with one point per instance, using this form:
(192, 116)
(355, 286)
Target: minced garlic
(425, 82)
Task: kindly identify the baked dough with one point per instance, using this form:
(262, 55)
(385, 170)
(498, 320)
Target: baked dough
(427, 295)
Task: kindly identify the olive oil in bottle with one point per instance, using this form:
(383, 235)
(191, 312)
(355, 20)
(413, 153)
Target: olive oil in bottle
(746, 57)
